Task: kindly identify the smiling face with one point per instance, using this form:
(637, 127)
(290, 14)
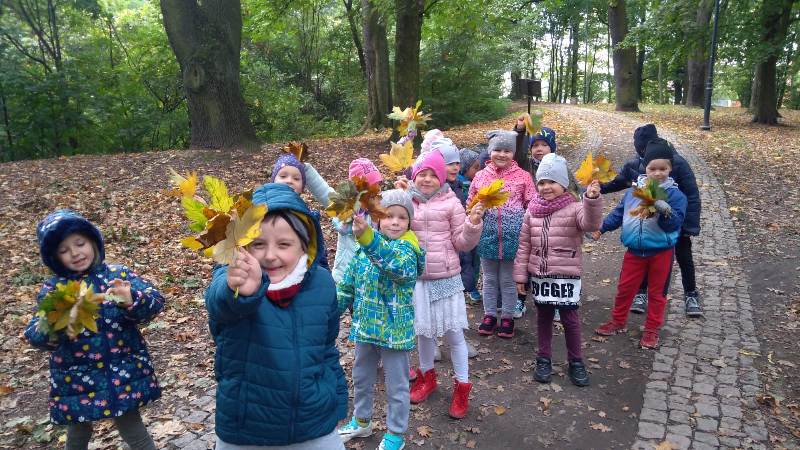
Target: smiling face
(426, 182)
(549, 189)
(277, 249)
(539, 149)
(658, 169)
(290, 176)
(502, 157)
(76, 252)
(452, 170)
(396, 222)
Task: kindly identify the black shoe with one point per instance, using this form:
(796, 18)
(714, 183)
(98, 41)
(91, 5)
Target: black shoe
(544, 369)
(692, 302)
(639, 305)
(578, 374)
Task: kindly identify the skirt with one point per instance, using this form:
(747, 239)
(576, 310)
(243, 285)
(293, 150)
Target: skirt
(435, 319)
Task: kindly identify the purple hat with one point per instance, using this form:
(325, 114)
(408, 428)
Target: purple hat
(288, 159)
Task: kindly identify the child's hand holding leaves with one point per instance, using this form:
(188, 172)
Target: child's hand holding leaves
(476, 213)
(120, 292)
(360, 226)
(244, 274)
(662, 207)
(593, 191)
(401, 183)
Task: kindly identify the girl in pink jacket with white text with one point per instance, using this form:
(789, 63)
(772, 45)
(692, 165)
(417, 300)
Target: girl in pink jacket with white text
(443, 230)
(550, 254)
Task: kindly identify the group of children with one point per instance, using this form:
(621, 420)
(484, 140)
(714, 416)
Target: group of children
(274, 312)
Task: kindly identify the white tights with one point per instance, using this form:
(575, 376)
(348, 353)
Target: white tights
(458, 353)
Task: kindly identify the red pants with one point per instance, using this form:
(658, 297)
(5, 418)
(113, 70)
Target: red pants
(634, 268)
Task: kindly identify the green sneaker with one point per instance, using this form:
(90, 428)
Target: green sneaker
(352, 430)
(392, 442)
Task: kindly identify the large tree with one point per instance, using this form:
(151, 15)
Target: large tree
(376, 56)
(775, 21)
(624, 58)
(697, 60)
(408, 33)
(206, 37)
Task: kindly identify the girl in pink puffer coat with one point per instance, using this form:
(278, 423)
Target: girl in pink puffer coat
(443, 230)
(549, 260)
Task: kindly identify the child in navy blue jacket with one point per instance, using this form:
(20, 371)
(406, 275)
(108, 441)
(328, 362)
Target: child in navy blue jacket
(650, 244)
(102, 375)
(279, 382)
(684, 177)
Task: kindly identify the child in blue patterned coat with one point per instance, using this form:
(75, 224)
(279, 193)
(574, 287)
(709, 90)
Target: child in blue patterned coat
(379, 284)
(102, 375)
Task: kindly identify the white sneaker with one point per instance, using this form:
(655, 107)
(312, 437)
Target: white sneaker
(557, 316)
(352, 430)
(471, 352)
(437, 354)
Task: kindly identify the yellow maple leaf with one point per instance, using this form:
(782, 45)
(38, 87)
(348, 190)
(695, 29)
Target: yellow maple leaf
(594, 169)
(400, 157)
(533, 122)
(220, 200)
(490, 196)
(298, 149)
(72, 307)
(184, 186)
(411, 119)
(239, 232)
(342, 201)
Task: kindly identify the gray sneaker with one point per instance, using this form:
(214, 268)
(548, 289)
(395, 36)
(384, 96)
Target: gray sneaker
(471, 352)
(692, 302)
(437, 353)
(639, 305)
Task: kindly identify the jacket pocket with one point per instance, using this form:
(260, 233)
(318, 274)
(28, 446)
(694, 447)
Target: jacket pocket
(563, 252)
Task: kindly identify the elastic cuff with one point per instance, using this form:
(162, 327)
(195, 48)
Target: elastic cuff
(366, 239)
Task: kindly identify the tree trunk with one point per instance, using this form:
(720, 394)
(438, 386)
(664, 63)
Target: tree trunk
(785, 72)
(639, 72)
(609, 60)
(697, 61)
(551, 83)
(624, 59)
(351, 20)
(376, 56)
(6, 125)
(408, 33)
(573, 81)
(660, 82)
(206, 38)
(560, 76)
(775, 20)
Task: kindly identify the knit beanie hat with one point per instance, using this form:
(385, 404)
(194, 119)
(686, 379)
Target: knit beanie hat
(468, 158)
(554, 168)
(658, 149)
(295, 222)
(448, 149)
(57, 226)
(430, 136)
(548, 136)
(642, 136)
(288, 159)
(398, 197)
(362, 167)
(433, 161)
(502, 140)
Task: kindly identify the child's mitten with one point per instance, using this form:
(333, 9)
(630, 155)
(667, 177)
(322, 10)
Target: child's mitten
(663, 207)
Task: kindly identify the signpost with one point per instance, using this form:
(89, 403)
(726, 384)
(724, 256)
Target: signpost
(531, 88)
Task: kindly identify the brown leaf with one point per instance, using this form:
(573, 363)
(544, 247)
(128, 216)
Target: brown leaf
(424, 431)
(624, 364)
(471, 443)
(499, 410)
(599, 427)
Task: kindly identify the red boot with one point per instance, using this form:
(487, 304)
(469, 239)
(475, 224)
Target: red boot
(423, 386)
(460, 403)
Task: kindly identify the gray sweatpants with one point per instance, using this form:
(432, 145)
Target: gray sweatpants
(130, 427)
(395, 371)
(498, 281)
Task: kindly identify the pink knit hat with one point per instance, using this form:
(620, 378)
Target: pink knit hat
(362, 167)
(434, 161)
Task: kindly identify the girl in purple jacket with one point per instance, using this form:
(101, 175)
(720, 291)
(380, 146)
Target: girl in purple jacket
(549, 261)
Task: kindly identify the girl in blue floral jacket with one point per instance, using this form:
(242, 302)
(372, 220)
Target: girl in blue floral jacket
(102, 375)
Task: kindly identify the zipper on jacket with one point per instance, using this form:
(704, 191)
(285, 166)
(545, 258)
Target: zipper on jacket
(545, 244)
(107, 362)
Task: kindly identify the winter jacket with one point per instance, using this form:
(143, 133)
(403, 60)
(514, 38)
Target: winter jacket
(684, 178)
(457, 186)
(551, 245)
(443, 230)
(96, 375)
(646, 237)
(379, 283)
(278, 375)
(501, 226)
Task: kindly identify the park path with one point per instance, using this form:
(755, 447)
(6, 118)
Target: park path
(697, 391)
(701, 392)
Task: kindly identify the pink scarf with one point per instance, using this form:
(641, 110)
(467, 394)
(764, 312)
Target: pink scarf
(540, 207)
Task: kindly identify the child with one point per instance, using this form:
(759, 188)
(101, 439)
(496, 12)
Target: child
(346, 245)
(684, 177)
(550, 253)
(650, 243)
(379, 284)
(443, 230)
(292, 172)
(500, 235)
(274, 319)
(470, 264)
(103, 375)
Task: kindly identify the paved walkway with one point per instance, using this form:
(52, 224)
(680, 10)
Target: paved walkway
(700, 392)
